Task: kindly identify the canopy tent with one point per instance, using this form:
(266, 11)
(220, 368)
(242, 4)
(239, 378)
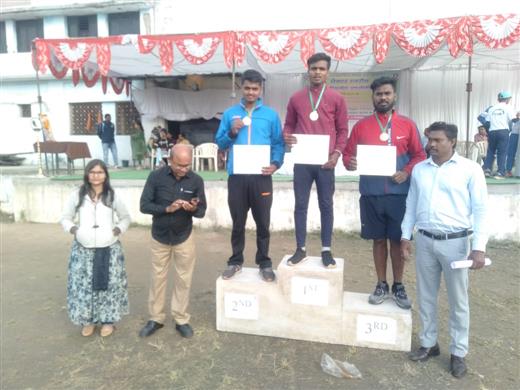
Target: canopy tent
(390, 46)
(492, 42)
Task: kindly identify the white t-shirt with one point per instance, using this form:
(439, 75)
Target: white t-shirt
(500, 116)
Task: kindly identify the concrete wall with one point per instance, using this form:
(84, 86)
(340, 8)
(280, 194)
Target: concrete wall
(42, 200)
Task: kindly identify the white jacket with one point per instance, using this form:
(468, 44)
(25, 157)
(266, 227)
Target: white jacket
(95, 220)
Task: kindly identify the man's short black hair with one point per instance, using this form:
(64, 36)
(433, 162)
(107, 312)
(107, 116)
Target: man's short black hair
(107, 115)
(318, 57)
(449, 129)
(383, 81)
(253, 76)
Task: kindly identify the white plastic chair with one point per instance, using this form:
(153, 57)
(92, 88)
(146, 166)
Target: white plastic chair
(206, 151)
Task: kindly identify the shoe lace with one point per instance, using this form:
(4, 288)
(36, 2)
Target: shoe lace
(380, 289)
(400, 293)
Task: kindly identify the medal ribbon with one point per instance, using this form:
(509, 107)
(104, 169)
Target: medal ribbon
(387, 129)
(250, 116)
(315, 108)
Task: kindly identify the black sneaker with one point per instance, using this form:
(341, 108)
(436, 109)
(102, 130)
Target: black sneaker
(298, 256)
(328, 260)
(267, 274)
(400, 297)
(487, 172)
(231, 270)
(380, 294)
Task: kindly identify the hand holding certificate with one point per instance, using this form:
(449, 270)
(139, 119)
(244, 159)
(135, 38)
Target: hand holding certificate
(376, 160)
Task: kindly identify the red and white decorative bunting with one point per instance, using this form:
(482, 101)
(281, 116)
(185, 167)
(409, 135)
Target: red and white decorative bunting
(198, 50)
(344, 43)
(497, 31)
(272, 47)
(421, 38)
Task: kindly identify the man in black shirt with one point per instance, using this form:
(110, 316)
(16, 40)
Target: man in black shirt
(173, 195)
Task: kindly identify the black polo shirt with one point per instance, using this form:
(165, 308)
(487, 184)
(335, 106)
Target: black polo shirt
(160, 190)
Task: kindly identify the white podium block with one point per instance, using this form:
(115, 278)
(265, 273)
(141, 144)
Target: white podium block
(247, 304)
(310, 283)
(384, 326)
(307, 302)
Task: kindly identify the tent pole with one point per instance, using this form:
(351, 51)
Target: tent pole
(469, 87)
(40, 167)
(233, 89)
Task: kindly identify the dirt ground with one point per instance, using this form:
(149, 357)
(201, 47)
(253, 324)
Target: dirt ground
(41, 349)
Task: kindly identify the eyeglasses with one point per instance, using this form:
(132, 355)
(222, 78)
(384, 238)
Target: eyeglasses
(96, 173)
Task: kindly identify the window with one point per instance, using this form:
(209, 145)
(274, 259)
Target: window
(3, 41)
(125, 114)
(123, 23)
(84, 118)
(26, 31)
(25, 110)
(82, 26)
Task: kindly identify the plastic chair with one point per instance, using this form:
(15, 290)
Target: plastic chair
(206, 151)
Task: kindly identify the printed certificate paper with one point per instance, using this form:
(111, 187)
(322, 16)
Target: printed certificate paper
(250, 159)
(310, 149)
(376, 160)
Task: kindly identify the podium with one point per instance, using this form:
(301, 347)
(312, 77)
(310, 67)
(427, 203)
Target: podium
(307, 302)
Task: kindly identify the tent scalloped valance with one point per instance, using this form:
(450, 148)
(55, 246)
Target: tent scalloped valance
(417, 38)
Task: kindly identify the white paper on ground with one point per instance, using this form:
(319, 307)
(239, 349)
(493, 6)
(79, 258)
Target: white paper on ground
(250, 159)
(467, 263)
(376, 160)
(310, 149)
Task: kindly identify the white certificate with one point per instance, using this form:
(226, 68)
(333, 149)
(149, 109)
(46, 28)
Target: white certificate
(310, 149)
(376, 160)
(250, 159)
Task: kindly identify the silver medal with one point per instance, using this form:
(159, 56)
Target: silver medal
(383, 137)
(246, 121)
(313, 116)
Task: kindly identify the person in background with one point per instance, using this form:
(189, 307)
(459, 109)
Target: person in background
(152, 145)
(446, 203)
(499, 116)
(173, 195)
(316, 109)
(138, 143)
(383, 198)
(106, 132)
(97, 283)
(481, 135)
(182, 140)
(512, 146)
(163, 147)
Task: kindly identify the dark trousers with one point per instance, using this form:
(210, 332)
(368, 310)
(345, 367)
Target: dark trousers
(304, 176)
(497, 143)
(253, 192)
(512, 146)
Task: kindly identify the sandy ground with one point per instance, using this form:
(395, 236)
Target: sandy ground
(41, 349)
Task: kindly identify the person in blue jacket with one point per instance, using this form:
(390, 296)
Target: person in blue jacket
(250, 122)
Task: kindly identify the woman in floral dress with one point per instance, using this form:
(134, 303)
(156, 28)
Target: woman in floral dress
(97, 282)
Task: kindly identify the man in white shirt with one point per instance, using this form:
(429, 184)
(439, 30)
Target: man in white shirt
(446, 203)
(499, 116)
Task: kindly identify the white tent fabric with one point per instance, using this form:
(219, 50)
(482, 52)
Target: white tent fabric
(177, 105)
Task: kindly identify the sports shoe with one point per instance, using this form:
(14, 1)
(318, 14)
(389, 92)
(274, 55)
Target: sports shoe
(231, 270)
(400, 297)
(298, 256)
(327, 259)
(267, 274)
(499, 176)
(380, 294)
(509, 174)
(487, 172)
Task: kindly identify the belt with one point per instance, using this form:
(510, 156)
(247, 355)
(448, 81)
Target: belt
(446, 236)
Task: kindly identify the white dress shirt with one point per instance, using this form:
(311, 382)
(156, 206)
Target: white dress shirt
(447, 199)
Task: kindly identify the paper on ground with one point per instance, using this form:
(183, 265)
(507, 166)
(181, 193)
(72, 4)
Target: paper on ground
(376, 160)
(467, 263)
(310, 149)
(250, 159)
